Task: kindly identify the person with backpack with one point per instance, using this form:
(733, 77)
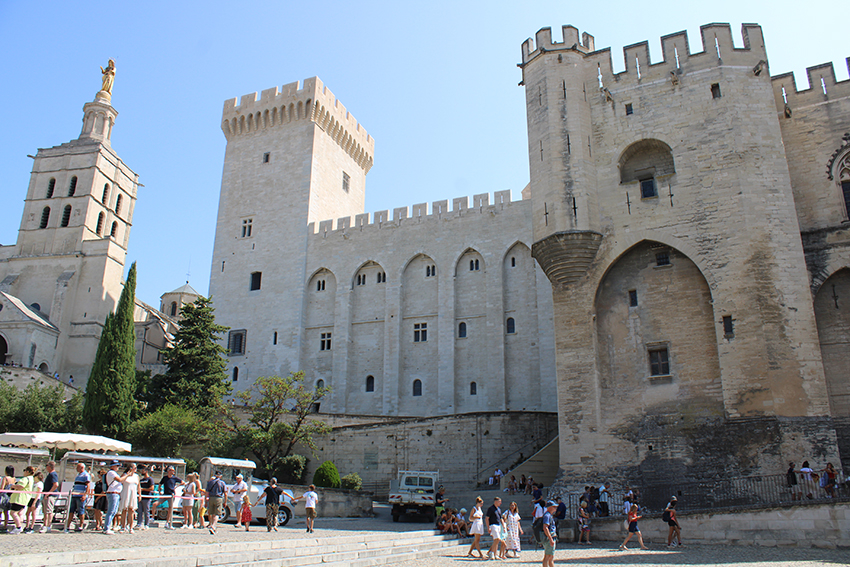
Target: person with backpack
(537, 524)
(669, 516)
(633, 528)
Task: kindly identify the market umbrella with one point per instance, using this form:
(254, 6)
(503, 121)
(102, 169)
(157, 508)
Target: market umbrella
(71, 441)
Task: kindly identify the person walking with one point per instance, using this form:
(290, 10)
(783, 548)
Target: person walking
(310, 500)
(19, 499)
(237, 491)
(493, 526)
(583, 522)
(272, 496)
(51, 485)
(633, 528)
(549, 533)
(669, 516)
(477, 529)
(512, 519)
(245, 512)
(187, 501)
(216, 491)
(5, 495)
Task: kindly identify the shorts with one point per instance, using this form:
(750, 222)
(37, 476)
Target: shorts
(548, 548)
(47, 504)
(78, 507)
(495, 531)
(215, 505)
(16, 507)
(633, 527)
(671, 523)
(31, 503)
(311, 513)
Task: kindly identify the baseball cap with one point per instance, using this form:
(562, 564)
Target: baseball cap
(114, 464)
(551, 503)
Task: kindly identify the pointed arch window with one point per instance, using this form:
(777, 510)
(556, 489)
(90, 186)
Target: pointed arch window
(72, 188)
(118, 205)
(66, 215)
(370, 383)
(105, 193)
(417, 387)
(114, 230)
(45, 217)
(51, 186)
(99, 228)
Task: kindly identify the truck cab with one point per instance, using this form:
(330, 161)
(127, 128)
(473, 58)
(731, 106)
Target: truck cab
(414, 492)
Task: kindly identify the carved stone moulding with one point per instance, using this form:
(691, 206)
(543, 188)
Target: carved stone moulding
(565, 256)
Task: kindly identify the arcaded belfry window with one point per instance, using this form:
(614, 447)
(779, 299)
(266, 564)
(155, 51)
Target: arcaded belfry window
(50, 187)
(45, 217)
(645, 163)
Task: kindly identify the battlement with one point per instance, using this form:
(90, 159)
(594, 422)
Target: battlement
(822, 87)
(293, 102)
(416, 214)
(718, 48)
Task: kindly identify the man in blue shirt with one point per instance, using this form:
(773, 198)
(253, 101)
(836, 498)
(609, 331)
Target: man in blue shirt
(79, 493)
(51, 484)
(549, 533)
(215, 494)
(168, 483)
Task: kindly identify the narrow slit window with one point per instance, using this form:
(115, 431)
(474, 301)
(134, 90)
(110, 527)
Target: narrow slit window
(72, 188)
(45, 217)
(266, 157)
(66, 215)
(473, 389)
(99, 227)
(510, 326)
(118, 205)
(256, 280)
(461, 330)
(513, 262)
(715, 90)
(417, 387)
(728, 327)
(633, 298)
(274, 338)
(346, 182)
(370, 383)
(51, 186)
(235, 373)
(629, 109)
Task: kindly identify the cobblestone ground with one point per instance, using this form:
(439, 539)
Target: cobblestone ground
(599, 554)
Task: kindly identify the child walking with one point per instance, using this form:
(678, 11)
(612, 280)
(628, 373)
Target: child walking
(633, 528)
(246, 511)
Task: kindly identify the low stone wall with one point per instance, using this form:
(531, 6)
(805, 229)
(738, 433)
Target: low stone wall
(338, 503)
(806, 525)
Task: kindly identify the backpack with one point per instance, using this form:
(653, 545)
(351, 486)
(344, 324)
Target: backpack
(537, 529)
(666, 516)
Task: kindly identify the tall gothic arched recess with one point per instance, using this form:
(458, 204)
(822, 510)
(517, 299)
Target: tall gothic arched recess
(657, 359)
(418, 338)
(317, 344)
(519, 329)
(832, 312)
(470, 351)
(366, 340)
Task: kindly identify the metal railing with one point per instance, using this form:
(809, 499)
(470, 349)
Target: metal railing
(723, 494)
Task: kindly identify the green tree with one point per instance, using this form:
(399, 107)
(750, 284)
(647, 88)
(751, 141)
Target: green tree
(38, 409)
(165, 431)
(278, 410)
(112, 383)
(196, 377)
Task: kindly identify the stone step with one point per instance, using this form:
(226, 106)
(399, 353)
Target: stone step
(368, 548)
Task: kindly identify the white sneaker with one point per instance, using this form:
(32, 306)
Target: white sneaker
(14, 531)
(131, 531)
(108, 532)
(45, 529)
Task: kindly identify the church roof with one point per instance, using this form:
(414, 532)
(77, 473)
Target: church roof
(28, 312)
(185, 289)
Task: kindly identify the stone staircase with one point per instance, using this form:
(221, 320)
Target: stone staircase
(363, 550)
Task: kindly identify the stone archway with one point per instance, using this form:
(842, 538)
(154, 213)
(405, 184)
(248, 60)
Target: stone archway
(832, 312)
(4, 350)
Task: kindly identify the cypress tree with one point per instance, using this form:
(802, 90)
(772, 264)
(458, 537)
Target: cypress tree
(112, 383)
(196, 378)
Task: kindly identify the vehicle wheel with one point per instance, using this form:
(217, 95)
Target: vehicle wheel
(283, 516)
(396, 513)
(225, 515)
(162, 514)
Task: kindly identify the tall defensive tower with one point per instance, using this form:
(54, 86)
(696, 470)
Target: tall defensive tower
(293, 156)
(64, 274)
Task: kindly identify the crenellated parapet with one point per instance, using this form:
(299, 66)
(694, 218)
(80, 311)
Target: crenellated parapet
(718, 49)
(822, 88)
(403, 216)
(294, 102)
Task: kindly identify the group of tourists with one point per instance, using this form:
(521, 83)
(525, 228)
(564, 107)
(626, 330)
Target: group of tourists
(811, 482)
(123, 497)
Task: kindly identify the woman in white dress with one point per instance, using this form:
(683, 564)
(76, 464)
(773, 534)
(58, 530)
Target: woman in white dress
(188, 500)
(129, 497)
(512, 518)
(477, 529)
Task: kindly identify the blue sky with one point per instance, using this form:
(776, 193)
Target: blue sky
(434, 83)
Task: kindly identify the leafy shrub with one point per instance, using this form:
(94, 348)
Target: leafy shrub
(326, 476)
(165, 431)
(290, 469)
(352, 481)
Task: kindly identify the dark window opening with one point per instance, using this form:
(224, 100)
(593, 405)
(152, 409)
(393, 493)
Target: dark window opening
(274, 338)
(346, 182)
(473, 389)
(382, 277)
(325, 341)
(99, 228)
(118, 205)
(235, 373)
(45, 217)
(510, 326)
(662, 259)
(659, 364)
(417, 387)
(105, 194)
(266, 157)
(647, 188)
(629, 109)
(513, 262)
(473, 265)
(51, 187)
(715, 90)
(173, 312)
(72, 188)
(256, 280)
(461, 331)
(430, 271)
(236, 342)
(114, 230)
(420, 332)
(728, 327)
(633, 298)
(319, 385)
(845, 188)
(66, 215)
(247, 227)
(361, 279)
(320, 285)
(370, 383)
